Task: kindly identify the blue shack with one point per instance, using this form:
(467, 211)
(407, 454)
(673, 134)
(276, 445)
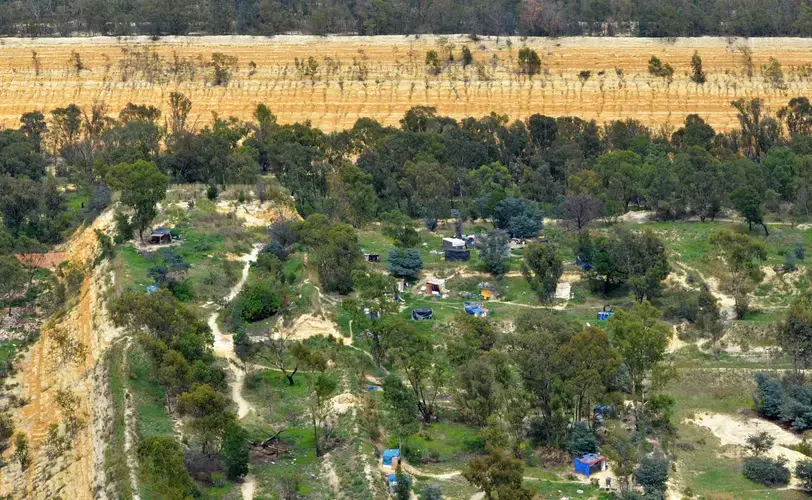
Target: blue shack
(475, 309)
(589, 464)
(389, 455)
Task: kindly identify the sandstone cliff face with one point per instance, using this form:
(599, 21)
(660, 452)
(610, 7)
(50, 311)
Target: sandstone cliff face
(382, 77)
(78, 472)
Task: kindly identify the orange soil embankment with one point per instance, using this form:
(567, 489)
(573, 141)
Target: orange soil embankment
(75, 473)
(382, 77)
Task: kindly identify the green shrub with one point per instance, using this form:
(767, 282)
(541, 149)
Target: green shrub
(582, 440)
(803, 471)
(766, 471)
(257, 301)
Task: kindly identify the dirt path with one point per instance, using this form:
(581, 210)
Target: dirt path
(224, 348)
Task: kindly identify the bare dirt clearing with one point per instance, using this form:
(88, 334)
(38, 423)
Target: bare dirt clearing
(735, 430)
(382, 77)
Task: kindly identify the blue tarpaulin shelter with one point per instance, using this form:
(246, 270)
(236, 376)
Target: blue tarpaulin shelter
(604, 315)
(589, 463)
(388, 455)
(475, 309)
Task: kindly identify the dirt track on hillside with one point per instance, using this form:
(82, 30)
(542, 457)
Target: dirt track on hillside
(382, 77)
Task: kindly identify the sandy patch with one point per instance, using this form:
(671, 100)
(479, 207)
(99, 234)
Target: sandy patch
(344, 403)
(309, 325)
(256, 214)
(733, 431)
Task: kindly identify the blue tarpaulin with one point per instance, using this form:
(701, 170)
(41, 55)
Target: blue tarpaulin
(589, 463)
(475, 309)
(388, 455)
(604, 315)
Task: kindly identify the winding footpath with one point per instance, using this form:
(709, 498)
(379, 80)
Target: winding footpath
(224, 348)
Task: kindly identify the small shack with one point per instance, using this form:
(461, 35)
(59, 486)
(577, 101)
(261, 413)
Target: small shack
(392, 481)
(457, 254)
(160, 236)
(586, 266)
(435, 286)
(422, 313)
(488, 291)
(453, 244)
(372, 257)
(608, 312)
(475, 309)
(589, 464)
(390, 458)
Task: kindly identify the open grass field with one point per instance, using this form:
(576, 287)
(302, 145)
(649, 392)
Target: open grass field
(382, 77)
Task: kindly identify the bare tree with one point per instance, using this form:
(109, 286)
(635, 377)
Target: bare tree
(179, 108)
(580, 210)
(276, 351)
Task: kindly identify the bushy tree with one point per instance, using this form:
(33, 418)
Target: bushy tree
(803, 471)
(738, 265)
(400, 228)
(403, 490)
(795, 332)
(402, 409)
(493, 251)
(630, 257)
(641, 339)
(209, 413)
(767, 471)
(405, 263)
(519, 217)
(529, 62)
(234, 450)
(697, 74)
(542, 268)
(582, 440)
(748, 203)
(652, 475)
(257, 301)
(760, 443)
(162, 470)
(498, 476)
(769, 395)
(142, 186)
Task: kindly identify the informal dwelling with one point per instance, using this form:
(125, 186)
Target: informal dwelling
(422, 313)
(608, 312)
(160, 236)
(457, 255)
(488, 291)
(589, 464)
(390, 458)
(453, 244)
(475, 309)
(372, 257)
(435, 286)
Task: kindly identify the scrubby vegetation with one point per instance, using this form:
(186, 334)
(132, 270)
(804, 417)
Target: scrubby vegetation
(306, 309)
(528, 17)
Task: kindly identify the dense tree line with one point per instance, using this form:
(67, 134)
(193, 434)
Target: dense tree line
(377, 17)
(432, 167)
